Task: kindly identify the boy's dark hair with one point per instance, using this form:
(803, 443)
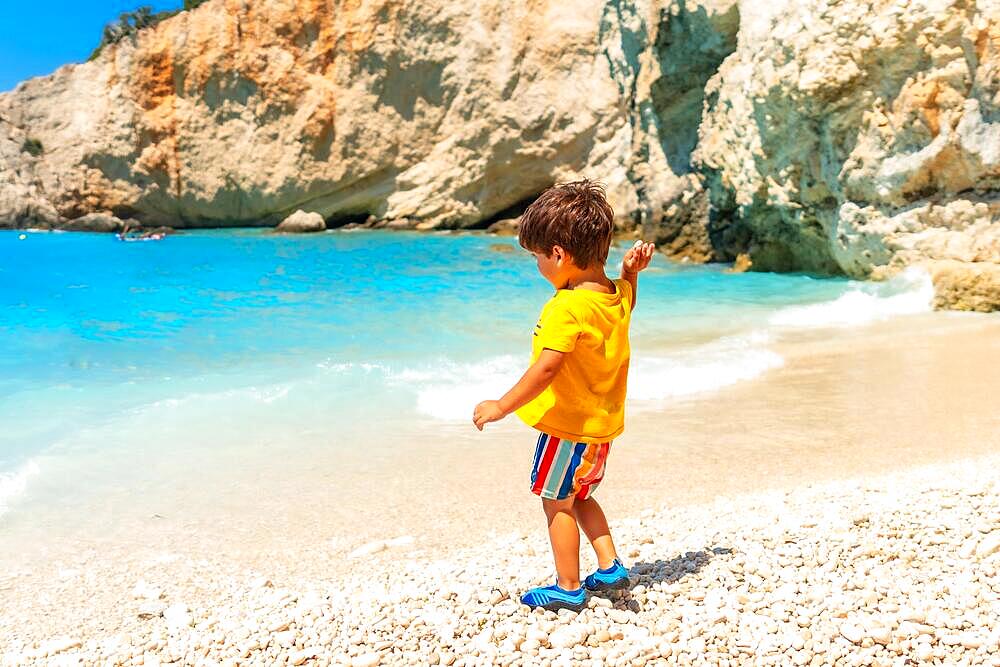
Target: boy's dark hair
(575, 216)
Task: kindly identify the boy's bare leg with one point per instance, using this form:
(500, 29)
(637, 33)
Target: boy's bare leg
(591, 518)
(564, 535)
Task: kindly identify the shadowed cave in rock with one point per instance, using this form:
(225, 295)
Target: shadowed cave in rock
(513, 211)
(344, 218)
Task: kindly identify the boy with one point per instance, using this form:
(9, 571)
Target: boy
(574, 391)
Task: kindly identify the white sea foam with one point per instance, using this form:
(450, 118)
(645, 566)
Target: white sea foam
(340, 367)
(13, 484)
(261, 394)
(701, 369)
(909, 293)
(443, 389)
(450, 391)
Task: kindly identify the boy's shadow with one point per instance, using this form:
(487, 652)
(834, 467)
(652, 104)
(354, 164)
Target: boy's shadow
(661, 571)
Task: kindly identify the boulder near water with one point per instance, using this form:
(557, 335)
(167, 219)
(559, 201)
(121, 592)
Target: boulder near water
(301, 222)
(94, 222)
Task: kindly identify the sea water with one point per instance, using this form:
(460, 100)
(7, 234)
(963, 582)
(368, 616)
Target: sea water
(144, 360)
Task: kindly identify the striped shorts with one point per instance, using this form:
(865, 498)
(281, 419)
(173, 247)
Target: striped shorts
(563, 468)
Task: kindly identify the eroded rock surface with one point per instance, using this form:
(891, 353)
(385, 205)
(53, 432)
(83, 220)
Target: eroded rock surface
(423, 114)
(835, 136)
(95, 222)
(860, 137)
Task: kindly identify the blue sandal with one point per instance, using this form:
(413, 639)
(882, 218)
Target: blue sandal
(614, 578)
(554, 598)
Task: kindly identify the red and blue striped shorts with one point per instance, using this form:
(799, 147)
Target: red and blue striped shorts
(563, 468)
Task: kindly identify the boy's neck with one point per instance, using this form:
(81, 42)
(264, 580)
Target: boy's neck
(593, 278)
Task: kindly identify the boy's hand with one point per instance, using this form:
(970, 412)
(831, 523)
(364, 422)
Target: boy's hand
(637, 258)
(538, 376)
(486, 412)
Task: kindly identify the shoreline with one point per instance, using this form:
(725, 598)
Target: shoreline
(843, 402)
(906, 385)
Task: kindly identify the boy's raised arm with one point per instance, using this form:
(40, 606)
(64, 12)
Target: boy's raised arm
(538, 376)
(636, 259)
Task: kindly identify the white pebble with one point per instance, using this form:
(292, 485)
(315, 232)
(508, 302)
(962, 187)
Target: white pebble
(852, 632)
(177, 616)
(989, 545)
(366, 660)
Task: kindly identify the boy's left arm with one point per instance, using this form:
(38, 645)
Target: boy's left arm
(538, 376)
(636, 259)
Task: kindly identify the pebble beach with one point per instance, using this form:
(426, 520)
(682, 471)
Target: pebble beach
(898, 569)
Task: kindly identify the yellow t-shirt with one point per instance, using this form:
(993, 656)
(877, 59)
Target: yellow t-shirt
(586, 400)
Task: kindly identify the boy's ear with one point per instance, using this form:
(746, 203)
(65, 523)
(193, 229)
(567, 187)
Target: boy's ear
(559, 253)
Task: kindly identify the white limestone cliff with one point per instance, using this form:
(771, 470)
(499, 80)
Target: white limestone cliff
(861, 137)
(839, 136)
(417, 113)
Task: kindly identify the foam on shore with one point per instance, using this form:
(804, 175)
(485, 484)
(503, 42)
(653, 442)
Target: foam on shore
(909, 293)
(702, 369)
(448, 390)
(13, 484)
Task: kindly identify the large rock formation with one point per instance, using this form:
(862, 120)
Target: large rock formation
(418, 113)
(858, 137)
(838, 136)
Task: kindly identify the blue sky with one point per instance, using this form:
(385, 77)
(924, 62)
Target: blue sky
(38, 36)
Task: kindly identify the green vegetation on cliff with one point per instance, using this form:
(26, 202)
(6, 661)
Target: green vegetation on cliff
(131, 23)
(32, 147)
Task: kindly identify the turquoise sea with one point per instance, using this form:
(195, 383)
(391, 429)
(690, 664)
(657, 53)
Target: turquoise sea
(243, 340)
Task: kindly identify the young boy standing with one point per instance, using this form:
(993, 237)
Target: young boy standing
(574, 391)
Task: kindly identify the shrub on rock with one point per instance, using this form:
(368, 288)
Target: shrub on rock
(32, 147)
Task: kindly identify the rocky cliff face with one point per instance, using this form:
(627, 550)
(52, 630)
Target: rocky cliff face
(859, 137)
(416, 113)
(837, 136)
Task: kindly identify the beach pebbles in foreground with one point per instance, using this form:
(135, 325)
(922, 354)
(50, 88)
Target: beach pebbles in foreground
(895, 570)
